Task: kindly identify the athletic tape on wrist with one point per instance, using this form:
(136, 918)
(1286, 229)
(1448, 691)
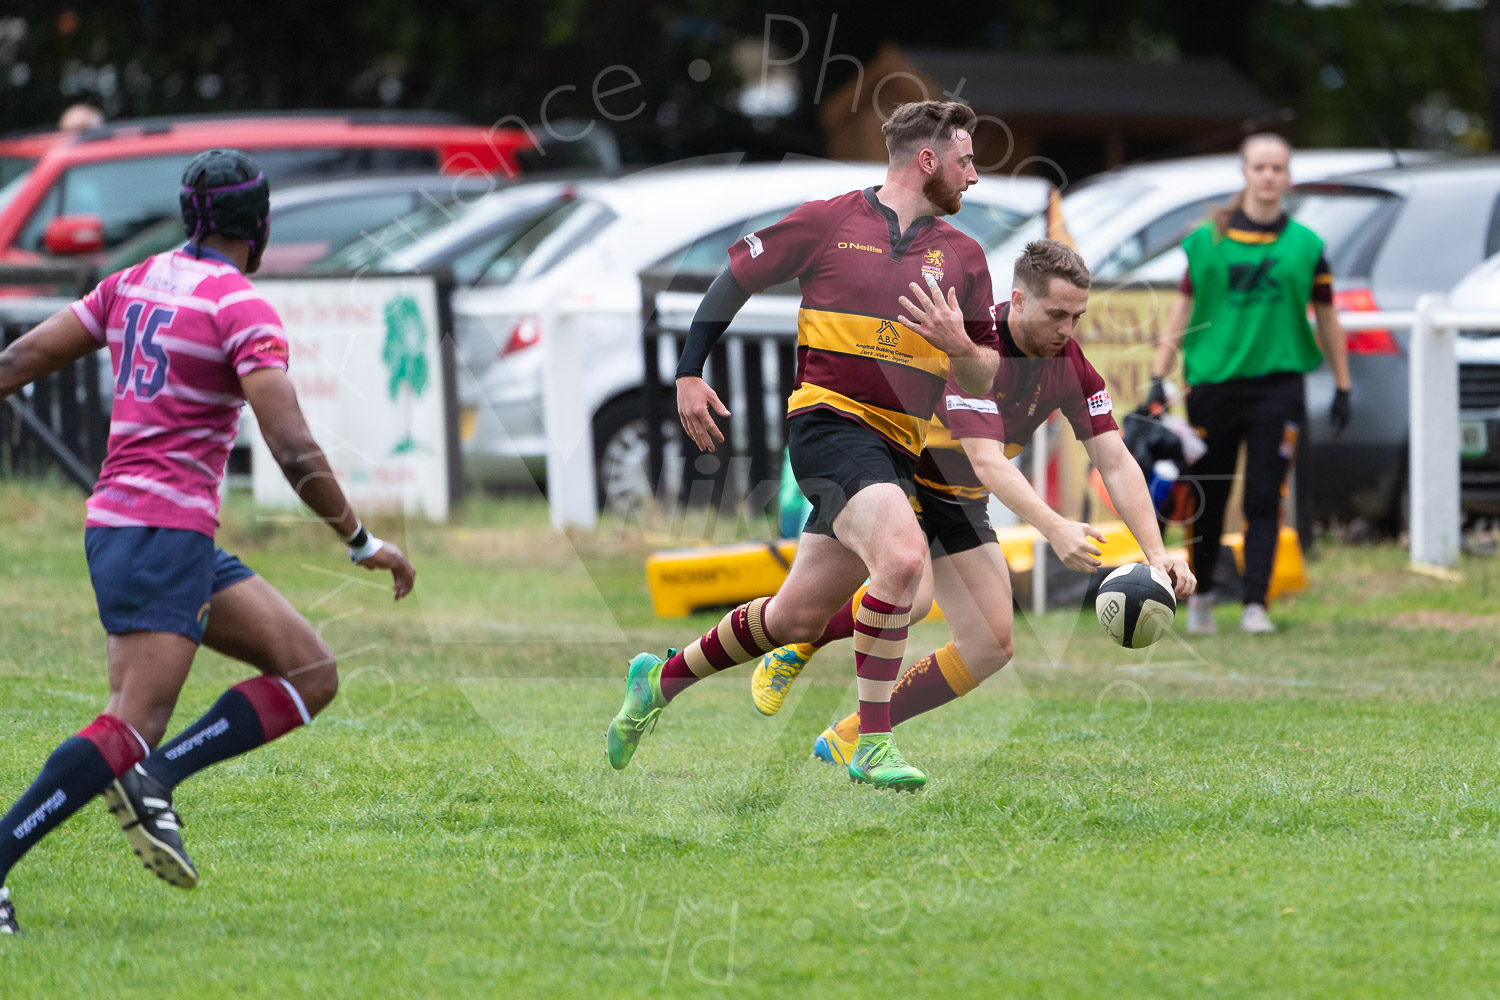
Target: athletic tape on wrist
(372, 545)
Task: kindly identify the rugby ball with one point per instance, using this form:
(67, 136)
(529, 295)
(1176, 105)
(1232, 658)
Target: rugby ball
(1135, 605)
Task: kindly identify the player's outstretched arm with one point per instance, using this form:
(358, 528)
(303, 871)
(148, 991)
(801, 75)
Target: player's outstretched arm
(274, 400)
(939, 320)
(1128, 492)
(53, 344)
(1069, 539)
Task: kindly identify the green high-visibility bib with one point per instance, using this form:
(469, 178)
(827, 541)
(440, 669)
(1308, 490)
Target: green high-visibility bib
(1250, 305)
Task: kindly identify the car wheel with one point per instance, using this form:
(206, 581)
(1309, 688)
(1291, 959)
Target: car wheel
(622, 456)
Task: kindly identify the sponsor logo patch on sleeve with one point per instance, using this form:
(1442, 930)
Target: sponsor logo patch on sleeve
(1099, 403)
(970, 403)
(756, 247)
(272, 348)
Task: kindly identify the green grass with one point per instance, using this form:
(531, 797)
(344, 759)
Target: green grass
(1312, 814)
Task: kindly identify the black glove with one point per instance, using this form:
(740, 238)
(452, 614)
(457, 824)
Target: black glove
(1156, 399)
(1338, 413)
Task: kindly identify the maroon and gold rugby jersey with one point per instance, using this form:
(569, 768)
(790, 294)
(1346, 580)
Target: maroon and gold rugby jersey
(853, 357)
(1025, 392)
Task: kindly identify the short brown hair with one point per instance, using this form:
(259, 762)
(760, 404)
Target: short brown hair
(921, 124)
(1043, 260)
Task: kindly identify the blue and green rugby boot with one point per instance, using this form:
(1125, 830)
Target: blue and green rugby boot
(643, 703)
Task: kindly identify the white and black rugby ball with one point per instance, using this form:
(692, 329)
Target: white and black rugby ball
(1135, 605)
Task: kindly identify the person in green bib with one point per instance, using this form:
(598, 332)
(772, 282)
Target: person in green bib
(1240, 325)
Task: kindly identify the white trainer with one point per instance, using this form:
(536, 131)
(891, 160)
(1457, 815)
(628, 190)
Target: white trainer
(1200, 615)
(1255, 619)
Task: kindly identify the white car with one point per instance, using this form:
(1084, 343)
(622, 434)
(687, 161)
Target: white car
(1125, 217)
(1478, 353)
(584, 263)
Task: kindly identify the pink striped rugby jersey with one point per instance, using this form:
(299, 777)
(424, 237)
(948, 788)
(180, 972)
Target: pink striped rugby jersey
(182, 331)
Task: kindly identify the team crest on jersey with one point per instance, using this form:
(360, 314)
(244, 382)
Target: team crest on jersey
(932, 264)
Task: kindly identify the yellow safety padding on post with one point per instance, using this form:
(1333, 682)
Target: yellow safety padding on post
(686, 580)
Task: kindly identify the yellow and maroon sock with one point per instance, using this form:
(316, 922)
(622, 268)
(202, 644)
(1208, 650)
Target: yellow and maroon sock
(879, 643)
(739, 638)
(841, 625)
(934, 680)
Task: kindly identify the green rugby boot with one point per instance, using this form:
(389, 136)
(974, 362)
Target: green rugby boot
(643, 703)
(877, 761)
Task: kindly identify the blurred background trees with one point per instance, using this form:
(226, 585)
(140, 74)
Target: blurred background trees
(1416, 73)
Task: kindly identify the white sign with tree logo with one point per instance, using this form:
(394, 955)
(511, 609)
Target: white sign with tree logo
(366, 363)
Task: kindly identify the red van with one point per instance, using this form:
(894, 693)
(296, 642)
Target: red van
(72, 193)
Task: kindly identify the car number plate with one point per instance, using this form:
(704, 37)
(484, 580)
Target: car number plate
(1473, 439)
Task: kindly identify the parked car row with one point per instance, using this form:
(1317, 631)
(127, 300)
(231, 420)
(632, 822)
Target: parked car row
(89, 191)
(529, 252)
(1391, 235)
(583, 264)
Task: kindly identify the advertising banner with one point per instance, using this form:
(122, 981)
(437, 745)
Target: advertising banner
(367, 366)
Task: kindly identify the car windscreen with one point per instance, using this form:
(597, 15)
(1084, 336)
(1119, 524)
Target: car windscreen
(12, 187)
(130, 194)
(378, 247)
(549, 241)
(1351, 222)
(12, 167)
(988, 224)
(1083, 209)
(335, 221)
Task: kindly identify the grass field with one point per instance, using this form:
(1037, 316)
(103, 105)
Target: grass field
(1311, 814)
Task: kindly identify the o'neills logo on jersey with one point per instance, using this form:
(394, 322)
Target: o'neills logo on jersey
(860, 246)
(932, 264)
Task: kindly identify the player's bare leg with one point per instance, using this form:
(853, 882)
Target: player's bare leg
(973, 589)
(779, 669)
(252, 622)
(879, 526)
(146, 673)
(822, 576)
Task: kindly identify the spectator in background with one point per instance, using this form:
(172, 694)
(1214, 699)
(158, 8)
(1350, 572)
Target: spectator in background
(1240, 322)
(80, 116)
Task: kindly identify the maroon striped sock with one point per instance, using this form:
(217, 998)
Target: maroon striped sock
(879, 643)
(739, 637)
(841, 625)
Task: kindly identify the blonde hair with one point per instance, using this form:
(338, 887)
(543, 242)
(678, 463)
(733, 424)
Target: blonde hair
(1224, 214)
(1043, 260)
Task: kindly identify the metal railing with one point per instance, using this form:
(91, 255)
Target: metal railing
(1434, 479)
(60, 422)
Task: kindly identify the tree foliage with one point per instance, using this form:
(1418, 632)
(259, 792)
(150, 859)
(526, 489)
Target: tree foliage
(1414, 72)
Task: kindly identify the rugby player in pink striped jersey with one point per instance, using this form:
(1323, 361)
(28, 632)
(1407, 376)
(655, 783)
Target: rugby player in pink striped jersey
(190, 341)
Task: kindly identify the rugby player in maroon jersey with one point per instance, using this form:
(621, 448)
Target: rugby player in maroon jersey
(875, 350)
(974, 437)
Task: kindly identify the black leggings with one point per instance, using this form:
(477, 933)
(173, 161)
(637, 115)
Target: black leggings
(1266, 413)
